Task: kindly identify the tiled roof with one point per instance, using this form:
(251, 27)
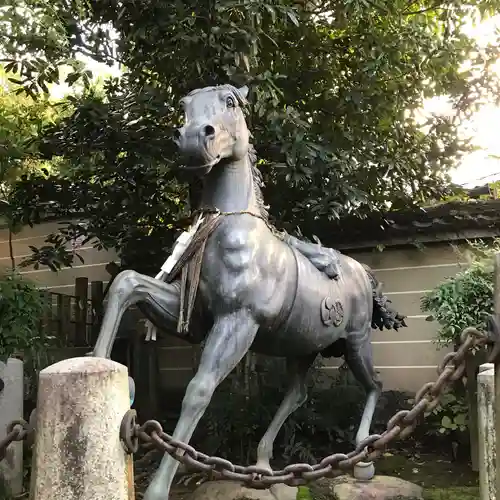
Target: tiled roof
(451, 220)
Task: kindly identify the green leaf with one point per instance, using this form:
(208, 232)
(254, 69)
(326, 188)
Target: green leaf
(293, 18)
(446, 422)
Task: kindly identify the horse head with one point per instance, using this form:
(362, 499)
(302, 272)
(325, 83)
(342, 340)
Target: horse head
(214, 129)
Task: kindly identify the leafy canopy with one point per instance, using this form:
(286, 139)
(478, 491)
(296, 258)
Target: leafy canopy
(336, 88)
(22, 121)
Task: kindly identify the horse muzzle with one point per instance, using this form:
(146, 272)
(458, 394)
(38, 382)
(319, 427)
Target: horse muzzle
(198, 146)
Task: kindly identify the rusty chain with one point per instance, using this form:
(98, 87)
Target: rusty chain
(401, 425)
(18, 430)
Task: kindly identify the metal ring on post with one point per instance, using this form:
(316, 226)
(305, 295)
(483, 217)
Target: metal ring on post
(128, 433)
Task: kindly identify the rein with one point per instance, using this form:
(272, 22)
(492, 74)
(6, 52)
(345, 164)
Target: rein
(216, 212)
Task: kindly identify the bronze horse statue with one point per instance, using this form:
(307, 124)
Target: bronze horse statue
(257, 290)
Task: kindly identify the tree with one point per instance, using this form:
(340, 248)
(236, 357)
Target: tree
(336, 87)
(22, 120)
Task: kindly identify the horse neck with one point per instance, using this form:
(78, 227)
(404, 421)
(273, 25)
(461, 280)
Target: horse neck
(230, 188)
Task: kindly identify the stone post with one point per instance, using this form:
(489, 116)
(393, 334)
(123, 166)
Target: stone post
(486, 428)
(11, 408)
(78, 452)
(496, 311)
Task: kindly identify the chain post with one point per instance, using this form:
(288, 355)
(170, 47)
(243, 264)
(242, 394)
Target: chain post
(78, 452)
(496, 310)
(11, 408)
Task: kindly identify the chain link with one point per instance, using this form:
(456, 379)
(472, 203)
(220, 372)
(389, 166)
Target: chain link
(17, 430)
(400, 426)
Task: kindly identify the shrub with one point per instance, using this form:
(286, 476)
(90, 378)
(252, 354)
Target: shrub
(459, 302)
(238, 417)
(450, 416)
(239, 414)
(22, 307)
(465, 299)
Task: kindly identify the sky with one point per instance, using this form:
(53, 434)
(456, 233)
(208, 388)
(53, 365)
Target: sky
(475, 169)
(479, 167)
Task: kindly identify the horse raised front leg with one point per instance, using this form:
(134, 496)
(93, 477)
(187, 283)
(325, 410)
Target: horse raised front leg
(360, 361)
(296, 396)
(129, 288)
(228, 341)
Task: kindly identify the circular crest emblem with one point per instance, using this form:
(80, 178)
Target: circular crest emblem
(332, 312)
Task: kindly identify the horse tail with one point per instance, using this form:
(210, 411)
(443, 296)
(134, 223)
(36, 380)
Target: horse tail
(384, 316)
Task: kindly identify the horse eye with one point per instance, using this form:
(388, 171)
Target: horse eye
(230, 102)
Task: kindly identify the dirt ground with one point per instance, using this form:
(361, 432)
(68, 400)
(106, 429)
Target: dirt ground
(441, 477)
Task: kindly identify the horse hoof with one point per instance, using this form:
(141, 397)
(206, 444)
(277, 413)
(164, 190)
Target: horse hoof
(262, 469)
(364, 471)
(154, 495)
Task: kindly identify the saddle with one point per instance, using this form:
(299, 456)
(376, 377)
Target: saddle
(326, 260)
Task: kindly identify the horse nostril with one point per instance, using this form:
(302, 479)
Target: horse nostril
(209, 131)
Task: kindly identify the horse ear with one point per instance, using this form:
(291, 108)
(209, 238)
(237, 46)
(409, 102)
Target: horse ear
(244, 91)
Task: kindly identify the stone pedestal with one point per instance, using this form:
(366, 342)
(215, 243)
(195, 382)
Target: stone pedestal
(379, 488)
(341, 488)
(78, 452)
(231, 490)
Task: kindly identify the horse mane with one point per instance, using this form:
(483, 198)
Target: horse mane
(257, 180)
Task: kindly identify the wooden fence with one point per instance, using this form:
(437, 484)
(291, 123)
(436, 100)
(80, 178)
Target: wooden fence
(74, 320)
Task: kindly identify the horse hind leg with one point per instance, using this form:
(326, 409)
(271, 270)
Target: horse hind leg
(360, 361)
(296, 396)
